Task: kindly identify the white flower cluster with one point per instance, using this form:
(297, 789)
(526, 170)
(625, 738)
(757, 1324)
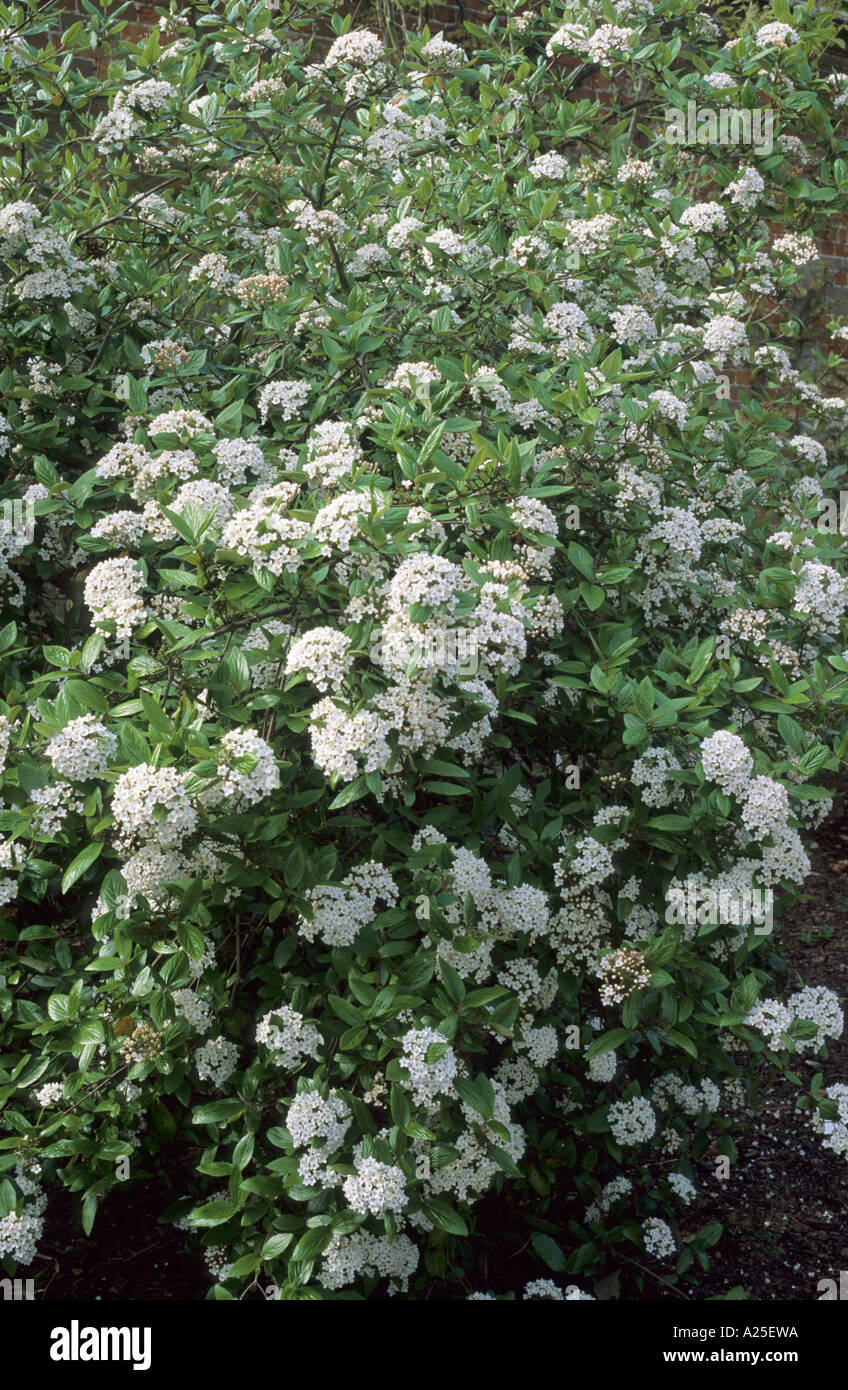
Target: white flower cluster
(427, 1080)
(411, 376)
(83, 749)
(21, 1232)
(216, 1060)
(50, 1093)
(323, 654)
(116, 127)
(318, 1125)
(775, 35)
(544, 1289)
(236, 457)
(821, 596)
(332, 452)
(725, 338)
(621, 973)
(597, 47)
(287, 397)
(670, 1086)
(682, 1187)
(650, 774)
(151, 803)
(441, 53)
(603, 1067)
(592, 863)
(376, 1188)
(363, 1255)
(726, 760)
(340, 740)
(704, 217)
(613, 1191)
(766, 807)
(263, 533)
(193, 1009)
(247, 770)
(185, 424)
(658, 1238)
(336, 524)
(339, 911)
(816, 1004)
(549, 166)
(359, 47)
(288, 1037)
(113, 594)
(632, 1121)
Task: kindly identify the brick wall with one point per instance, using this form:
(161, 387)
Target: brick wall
(141, 18)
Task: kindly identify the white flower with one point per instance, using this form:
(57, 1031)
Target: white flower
(247, 770)
(766, 807)
(632, 1121)
(821, 596)
(659, 1241)
(151, 803)
(216, 1060)
(682, 1187)
(358, 47)
(50, 1093)
(549, 166)
(775, 35)
(704, 217)
(288, 1037)
(377, 1188)
(83, 749)
(544, 1288)
(193, 1009)
(323, 654)
(113, 594)
(361, 1254)
(310, 1117)
(288, 397)
(727, 761)
(339, 911)
(427, 1080)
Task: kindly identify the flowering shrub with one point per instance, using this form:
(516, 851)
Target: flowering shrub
(411, 625)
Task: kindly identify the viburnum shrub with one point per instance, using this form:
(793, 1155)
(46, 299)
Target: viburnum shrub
(424, 633)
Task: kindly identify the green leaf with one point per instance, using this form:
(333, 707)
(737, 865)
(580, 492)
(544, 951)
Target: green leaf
(212, 1214)
(313, 1243)
(80, 863)
(581, 560)
(607, 1042)
(191, 939)
(354, 791)
(275, 1245)
(548, 1250)
(443, 1215)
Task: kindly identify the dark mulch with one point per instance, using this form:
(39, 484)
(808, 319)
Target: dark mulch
(128, 1255)
(783, 1206)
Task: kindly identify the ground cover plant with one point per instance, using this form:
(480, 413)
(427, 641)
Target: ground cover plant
(424, 646)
